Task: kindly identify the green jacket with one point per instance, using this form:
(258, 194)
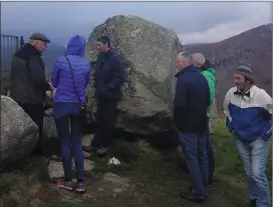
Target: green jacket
(209, 73)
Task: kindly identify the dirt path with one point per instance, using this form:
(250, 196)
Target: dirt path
(146, 177)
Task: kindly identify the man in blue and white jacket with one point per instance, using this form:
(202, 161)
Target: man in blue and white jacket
(249, 118)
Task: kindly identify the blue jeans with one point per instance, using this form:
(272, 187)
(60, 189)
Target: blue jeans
(254, 157)
(71, 143)
(210, 154)
(194, 147)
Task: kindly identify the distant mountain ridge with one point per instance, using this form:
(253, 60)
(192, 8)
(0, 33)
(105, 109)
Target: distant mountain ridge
(252, 48)
(191, 46)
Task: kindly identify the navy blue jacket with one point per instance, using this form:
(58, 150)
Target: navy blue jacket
(109, 75)
(191, 101)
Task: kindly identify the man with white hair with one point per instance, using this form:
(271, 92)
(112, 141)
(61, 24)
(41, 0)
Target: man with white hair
(208, 72)
(28, 84)
(190, 117)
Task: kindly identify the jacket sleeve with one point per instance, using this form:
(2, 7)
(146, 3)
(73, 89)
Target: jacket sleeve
(227, 111)
(55, 74)
(180, 100)
(119, 70)
(37, 74)
(211, 82)
(267, 105)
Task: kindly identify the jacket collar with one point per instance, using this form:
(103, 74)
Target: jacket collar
(109, 53)
(248, 95)
(187, 69)
(206, 65)
(27, 51)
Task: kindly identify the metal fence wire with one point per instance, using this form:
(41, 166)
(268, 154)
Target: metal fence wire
(9, 45)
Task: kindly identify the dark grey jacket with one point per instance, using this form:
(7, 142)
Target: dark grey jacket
(27, 79)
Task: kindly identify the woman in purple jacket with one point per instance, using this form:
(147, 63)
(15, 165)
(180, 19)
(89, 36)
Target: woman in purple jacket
(67, 107)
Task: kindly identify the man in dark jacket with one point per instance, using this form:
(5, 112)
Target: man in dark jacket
(191, 101)
(27, 80)
(108, 79)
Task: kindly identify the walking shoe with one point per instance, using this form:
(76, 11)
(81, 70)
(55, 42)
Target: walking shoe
(68, 185)
(189, 196)
(80, 186)
(102, 151)
(192, 191)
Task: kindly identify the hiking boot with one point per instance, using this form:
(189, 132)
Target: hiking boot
(68, 185)
(80, 186)
(102, 151)
(191, 197)
(192, 191)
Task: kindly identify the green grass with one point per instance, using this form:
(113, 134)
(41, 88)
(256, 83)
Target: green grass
(156, 177)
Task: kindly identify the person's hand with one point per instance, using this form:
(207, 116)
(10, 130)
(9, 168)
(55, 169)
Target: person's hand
(51, 86)
(49, 94)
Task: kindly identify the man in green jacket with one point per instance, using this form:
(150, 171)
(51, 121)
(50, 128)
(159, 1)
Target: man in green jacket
(209, 73)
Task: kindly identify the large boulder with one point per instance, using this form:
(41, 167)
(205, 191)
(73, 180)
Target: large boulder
(149, 53)
(19, 134)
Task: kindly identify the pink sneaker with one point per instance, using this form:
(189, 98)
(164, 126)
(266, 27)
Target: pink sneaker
(68, 185)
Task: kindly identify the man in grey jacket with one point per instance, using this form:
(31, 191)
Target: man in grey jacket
(28, 83)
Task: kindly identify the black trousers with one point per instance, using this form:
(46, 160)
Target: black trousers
(106, 120)
(36, 113)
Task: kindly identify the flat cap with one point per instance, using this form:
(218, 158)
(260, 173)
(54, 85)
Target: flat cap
(39, 36)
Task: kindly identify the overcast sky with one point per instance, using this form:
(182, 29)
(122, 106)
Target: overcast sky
(194, 22)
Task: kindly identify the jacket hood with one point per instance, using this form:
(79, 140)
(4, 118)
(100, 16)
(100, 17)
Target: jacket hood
(76, 46)
(189, 68)
(208, 67)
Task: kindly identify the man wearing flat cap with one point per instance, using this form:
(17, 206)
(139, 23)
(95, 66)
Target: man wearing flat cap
(249, 118)
(28, 83)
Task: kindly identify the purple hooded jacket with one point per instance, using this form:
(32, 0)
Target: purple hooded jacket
(61, 77)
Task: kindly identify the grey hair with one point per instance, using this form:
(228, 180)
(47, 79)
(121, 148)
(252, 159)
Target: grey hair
(186, 55)
(199, 58)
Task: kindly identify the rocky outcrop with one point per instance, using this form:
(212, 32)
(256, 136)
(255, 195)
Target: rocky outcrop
(50, 130)
(149, 52)
(19, 134)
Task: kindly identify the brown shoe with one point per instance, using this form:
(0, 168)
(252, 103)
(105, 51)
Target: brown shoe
(189, 196)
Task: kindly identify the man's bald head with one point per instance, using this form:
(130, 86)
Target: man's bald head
(183, 60)
(198, 60)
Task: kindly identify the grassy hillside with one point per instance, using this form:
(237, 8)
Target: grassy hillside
(156, 177)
